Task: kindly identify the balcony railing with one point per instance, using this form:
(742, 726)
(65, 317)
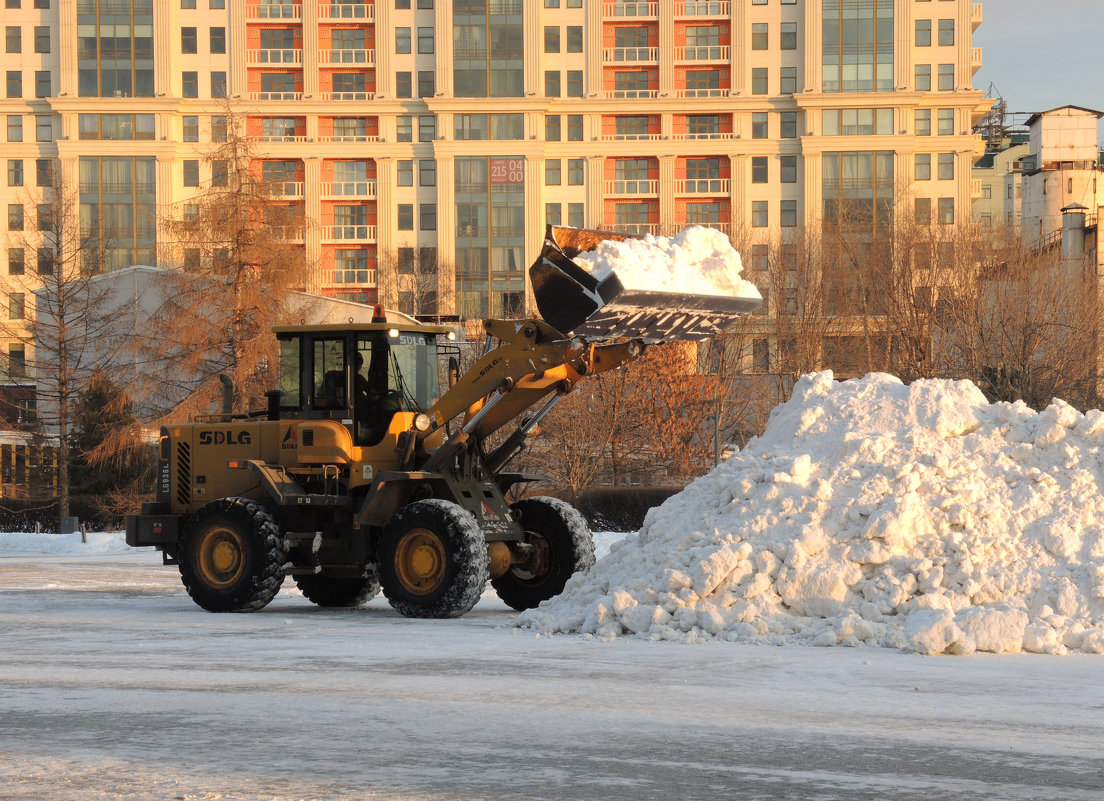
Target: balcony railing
(702, 53)
(711, 92)
(365, 57)
(343, 11)
(702, 186)
(276, 56)
(278, 138)
(975, 58)
(349, 189)
(632, 137)
(285, 188)
(348, 233)
(269, 11)
(631, 187)
(631, 54)
(276, 95)
(345, 277)
(724, 227)
(635, 228)
(348, 138)
(703, 8)
(288, 233)
(708, 135)
(976, 16)
(632, 10)
(347, 95)
(975, 188)
(628, 94)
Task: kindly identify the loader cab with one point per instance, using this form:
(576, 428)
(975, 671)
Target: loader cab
(361, 375)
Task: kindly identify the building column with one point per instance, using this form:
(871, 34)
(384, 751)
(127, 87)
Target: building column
(238, 80)
(739, 36)
(666, 47)
(312, 210)
(446, 235)
(595, 212)
(163, 49)
(534, 48)
(814, 44)
(165, 197)
(385, 74)
(739, 212)
(310, 49)
(667, 194)
(67, 36)
(593, 75)
(444, 56)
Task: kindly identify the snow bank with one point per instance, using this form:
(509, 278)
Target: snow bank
(698, 261)
(98, 542)
(871, 513)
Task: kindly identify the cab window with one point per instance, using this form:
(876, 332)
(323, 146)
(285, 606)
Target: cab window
(328, 373)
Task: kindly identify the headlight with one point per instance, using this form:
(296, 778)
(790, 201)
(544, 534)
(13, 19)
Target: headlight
(422, 422)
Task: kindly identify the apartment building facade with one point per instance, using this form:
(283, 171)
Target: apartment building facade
(446, 133)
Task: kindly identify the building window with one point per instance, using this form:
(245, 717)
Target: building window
(574, 127)
(404, 128)
(425, 40)
(922, 210)
(758, 169)
(788, 169)
(788, 78)
(946, 167)
(42, 83)
(575, 170)
(788, 122)
(759, 216)
(946, 122)
(946, 77)
(44, 128)
(15, 216)
(552, 214)
(45, 261)
(788, 39)
(946, 211)
(189, 84)
(44, 172)
(219, 130)
(218, 83)
(759, 125)
(574, 83)
(923, 33)
(427, 217)
(923, 77)
(551, 39)
(574, 38)
(14, 83)
(552, 83)
(922, 166)
(218, 40)
(759, 80)
(923, 121)
(188, 40)
(987, 192)
(552, 128)
(191, 129)
(946, 32)
(760, 36)
(16, 261)
(402, 40)
(427, 128)
(13, 39)
(406, 172)
(427, 172)
(788, 214)
(760, 257)
(15, 306)
(15, 172)
(406, 216)
(575, 215)
(42, 39)
(15, 127)
(426, 87)
(191, 172)
(551, 172)
(858, 122)
(403, 85)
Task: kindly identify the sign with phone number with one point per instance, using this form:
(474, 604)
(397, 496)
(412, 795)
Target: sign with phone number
(507, 171)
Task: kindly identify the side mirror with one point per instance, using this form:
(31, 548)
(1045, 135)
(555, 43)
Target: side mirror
(453, 371)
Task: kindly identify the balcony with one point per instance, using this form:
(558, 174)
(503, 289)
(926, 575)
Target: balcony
(348, 233)
(975, 59)
(347, 95)
(712, 92)
(342, 57)
(279, 56)
(975, 188)
(278, 138)
(629, 94)
(630, 10)
(702, 53)
(275, 95)
(262, 12)
(285, 189)
(706, 135)
(976, 16)
(289, 233)
(702, 186)
(635, 228)
(633, 187)
(703, 8)
(348, 189)
(344, 11)
(631, 54)
(338, 277)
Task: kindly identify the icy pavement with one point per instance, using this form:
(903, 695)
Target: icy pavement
(114, 685)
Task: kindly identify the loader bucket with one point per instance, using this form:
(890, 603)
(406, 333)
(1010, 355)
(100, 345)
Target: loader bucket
(573, 301)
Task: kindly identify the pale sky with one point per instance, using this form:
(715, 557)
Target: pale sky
(1041, 54)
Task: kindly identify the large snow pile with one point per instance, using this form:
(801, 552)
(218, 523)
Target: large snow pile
(697, 260)
(871, 513)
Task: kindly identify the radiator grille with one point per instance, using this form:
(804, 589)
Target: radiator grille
(183, 473)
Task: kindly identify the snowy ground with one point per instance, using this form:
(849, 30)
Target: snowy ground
(114, 685)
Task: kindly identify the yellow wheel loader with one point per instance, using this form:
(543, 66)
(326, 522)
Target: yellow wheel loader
(363, 472)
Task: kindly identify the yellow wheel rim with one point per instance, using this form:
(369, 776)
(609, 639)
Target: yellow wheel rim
(220, 556)
(420, 561)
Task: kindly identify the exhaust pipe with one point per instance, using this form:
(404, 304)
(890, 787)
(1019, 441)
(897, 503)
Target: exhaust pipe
(227, 397)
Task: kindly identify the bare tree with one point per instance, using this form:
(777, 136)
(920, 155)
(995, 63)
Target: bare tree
(62, 313)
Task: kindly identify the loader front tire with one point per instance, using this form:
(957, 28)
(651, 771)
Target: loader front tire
(432, 560)
(231, 556)
(562, 545)
(334, 592)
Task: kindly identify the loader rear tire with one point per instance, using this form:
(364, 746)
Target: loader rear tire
(340, 592)
(563, 546)
(432, 560)
(231, 556)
